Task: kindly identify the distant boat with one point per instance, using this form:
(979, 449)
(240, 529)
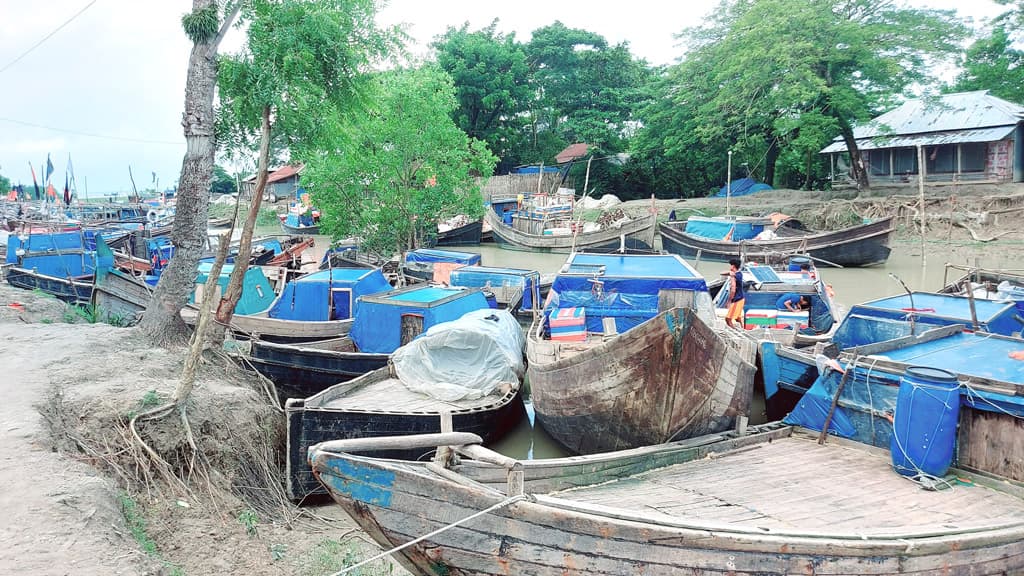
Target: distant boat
(57, 263)
(724, 238)
(459, 231)
(434, 265)
(627, 354)
(552, 228)
(301, 220)
(772, 501)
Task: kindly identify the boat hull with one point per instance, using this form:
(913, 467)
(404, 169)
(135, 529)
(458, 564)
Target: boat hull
(864, 245)
(74, 291)
(468, 235)
(277, 330)
(308, 426)
(636, 234)
(300, 230)
(300, 372)
(120, 298)
(554, 534)
(672, 377)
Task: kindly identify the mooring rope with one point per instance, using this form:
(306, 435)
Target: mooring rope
(499, 505)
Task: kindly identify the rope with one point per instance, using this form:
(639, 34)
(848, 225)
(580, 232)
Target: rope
(974, 394)
(502, 504)
(871, 400)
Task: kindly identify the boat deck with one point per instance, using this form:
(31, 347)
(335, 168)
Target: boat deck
(795, 484)
(391, 395)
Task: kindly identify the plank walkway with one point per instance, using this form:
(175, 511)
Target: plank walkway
(794, 483)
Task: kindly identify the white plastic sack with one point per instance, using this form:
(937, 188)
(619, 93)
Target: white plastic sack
(466, 359)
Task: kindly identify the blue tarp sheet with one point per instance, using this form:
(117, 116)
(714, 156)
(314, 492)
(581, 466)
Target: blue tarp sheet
(58, 241)
(621, 287)
(484, 277)
(887, 319)
(378, 324)
(725, 229)
(967, 353)
(61, 266)
(257, 291)
(327, 295)
(742, 187)
(812, 409)
(431, 255)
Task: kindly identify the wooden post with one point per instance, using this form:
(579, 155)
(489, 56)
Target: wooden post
(741, 425)
(921, 172)
(586, 179)
(835, 399)
(728, 186)
(444, 453)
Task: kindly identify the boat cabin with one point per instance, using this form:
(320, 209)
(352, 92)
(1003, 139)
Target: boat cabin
(257, 291)
(385, 321)
(765, 284)
(331, 294)
(512, 287)
(433, 265)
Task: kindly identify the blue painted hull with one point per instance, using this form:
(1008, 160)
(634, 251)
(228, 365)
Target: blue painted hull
(74, 291)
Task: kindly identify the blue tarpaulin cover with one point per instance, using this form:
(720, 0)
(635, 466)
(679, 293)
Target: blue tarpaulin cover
(812, 409)
(742, 187)
(257, 291)
(59, 254)
(727, 229)
(433, 255)
(378, 320)
(486, 276)
(328, 294)
(623, 287)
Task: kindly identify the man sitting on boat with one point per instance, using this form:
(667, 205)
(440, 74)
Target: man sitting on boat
(736, 298)
(793, 302)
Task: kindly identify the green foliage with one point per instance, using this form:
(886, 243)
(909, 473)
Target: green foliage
(993, 64)
(5, 184)
(491, 79)
(135, 521)
(330, 556)
(278, 552)
(250, 520)
(302, 60)
(150, 399)
(776, 80)
(201, 24)
(222, 182)
(390, 174)
(87, 312)
(267, 217)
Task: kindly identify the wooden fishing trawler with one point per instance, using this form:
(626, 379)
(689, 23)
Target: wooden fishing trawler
(57, 263)
(724, 238)
(627, 354)
(769, 500)
(426, 381)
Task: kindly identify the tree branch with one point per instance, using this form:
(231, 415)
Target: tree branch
(224, 27)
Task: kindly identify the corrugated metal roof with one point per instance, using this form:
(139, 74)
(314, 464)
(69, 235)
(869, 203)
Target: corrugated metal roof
(571, 152)
(944, 114)
(956, 137)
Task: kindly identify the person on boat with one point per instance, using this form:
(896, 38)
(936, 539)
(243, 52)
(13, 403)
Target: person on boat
(805, 269)
(736, 298)
(793, 302)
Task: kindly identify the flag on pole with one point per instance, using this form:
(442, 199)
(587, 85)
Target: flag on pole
(34, 182)
(51, 192)
(71, 171)
(67, 191)
(49, 169)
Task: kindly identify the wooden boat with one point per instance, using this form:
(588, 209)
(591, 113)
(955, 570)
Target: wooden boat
(291, 254)
(302, 370)
(984, 284)
(275, 329)
(218, 223)
(57, 263)
(426, 382)
(74, 290)
(638, 233)
(772, 501)
(650, 369)
(433, 265)
(296, 224)
(120, 298)
(467, 234)
(861, 245)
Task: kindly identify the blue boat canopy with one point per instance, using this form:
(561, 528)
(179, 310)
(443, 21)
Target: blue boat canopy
(727, 229)
(623, 287)
(58, 254)
(377, 327)
(327, 295)
(492, 277)
(888, 318)
(257, 291)
(434, 255)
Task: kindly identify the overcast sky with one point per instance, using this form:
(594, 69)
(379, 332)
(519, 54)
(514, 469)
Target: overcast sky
(108, 87)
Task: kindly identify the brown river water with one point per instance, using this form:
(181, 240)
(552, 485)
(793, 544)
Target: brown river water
(851, 285)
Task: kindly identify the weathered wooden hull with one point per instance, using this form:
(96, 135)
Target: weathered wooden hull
(292, 254)
(276, 330)
(638, 235)
(864, 245)
(301, 230)
(468, 235)
(300, 371)
(311, 425)
(558, 533)
(74, 291)
(672, 377)
(119, 297)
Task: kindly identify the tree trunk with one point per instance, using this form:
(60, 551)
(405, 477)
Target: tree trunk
(860, 175)
(161, 322)
(771, 156)
(226, 308)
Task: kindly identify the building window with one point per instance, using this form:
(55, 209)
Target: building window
(940, 159)
(904, 161)
(878, 161)
(972, 156)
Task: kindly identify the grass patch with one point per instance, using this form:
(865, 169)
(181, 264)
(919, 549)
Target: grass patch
(330, 556)
(136, 523)
(266, 217)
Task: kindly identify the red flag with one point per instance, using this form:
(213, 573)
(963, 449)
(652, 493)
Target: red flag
(51, 191)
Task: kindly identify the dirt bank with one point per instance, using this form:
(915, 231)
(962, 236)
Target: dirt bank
(82, 498)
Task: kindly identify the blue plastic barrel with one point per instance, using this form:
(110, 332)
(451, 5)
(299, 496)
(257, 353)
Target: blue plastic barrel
(492, 300)
(796, 261)
(924, 425)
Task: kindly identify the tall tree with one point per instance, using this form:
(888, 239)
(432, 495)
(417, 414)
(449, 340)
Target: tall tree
(777, 66)
(161, 322)
(222, 183)
(391, 174)
(491, 79)
(302, 61)
(992, 63)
